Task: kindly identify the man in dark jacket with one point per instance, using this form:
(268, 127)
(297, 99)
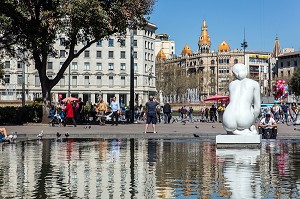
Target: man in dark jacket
(151, 113)
(167, 113)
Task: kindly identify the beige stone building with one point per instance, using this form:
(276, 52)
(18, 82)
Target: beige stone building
(208, 72)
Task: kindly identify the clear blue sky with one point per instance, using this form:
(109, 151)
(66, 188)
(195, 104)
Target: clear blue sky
(263, 20)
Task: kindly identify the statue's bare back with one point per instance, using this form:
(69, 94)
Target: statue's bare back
(244, 107)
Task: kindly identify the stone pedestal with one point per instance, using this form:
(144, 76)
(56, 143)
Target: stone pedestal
(238, 141)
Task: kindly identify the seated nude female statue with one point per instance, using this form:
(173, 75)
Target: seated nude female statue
(244, 106)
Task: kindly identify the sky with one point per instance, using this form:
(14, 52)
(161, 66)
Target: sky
(262, 21)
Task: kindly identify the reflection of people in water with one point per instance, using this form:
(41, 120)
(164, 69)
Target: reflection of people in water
(244, 107)
(115, 150)
(151, 152)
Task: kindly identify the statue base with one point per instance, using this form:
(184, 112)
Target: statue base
(238, 141)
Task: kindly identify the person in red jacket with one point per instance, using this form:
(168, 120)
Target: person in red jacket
(69, 113)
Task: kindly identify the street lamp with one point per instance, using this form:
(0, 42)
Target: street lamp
(131, 77)
(69, 86)
(244, 45)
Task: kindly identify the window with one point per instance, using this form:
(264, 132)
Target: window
(98, 54)
(212, 62)
(99, 43)
(110, 81)
(145, 56)
(62, 53)
(122, 55)
(110, 42)
(122, 66)
(289, 73)
(122, 42)
(86, 81)
(152, 46)
(62, 41)
(110, 54)
(86, 65)
(74, 81)
(50, 65)
(135, 82)
(281, 64)
(135, 67)
(134, 32)
(135, 54)
(135, 43)
(288, 63)
(122, 82)
(86, 53)
(235, 61)
(74, 66)
(98, 66)
(295, 63)
(37, 82)
(62, 81)
(99, 81)
(7, 64)
(20, 65)
(110, 66)
(7, 79)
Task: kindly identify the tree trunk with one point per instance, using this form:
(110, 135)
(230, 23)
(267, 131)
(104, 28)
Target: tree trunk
(47, 102)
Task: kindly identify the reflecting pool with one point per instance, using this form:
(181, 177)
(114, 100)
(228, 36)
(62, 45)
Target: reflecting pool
(148, 168)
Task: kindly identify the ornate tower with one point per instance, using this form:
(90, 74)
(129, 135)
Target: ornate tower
(204, 40)
(186, 50)
(276, 49)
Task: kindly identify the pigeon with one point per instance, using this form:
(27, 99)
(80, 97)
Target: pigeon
(14, 136)
(196, 136)
(40, 136)
(67, 134)
(90, 127)
(85, 127)
(213, 126)
(295, 128)
(58, 135)
(196, 127)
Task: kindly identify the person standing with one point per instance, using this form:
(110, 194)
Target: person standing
(167, 112)
(151, 113)
(285, 109)
(69, 113)
(79, 110)
(191, 110)
(102, 108)
(115, 107)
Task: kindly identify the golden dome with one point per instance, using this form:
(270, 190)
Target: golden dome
(186, 50)
(161, 55)
(224, 47)
(204, 38)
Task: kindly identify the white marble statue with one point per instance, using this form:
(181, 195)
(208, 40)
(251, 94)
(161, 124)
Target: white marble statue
(244, 107)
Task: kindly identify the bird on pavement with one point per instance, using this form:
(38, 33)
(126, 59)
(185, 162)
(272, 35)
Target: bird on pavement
(195, 135)
(90, 127)
(14, 136)
(67, 134)
(40, 135)
(58, 135)
(213, 126)
(196, 127)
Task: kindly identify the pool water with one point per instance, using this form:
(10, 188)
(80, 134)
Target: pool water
(148, 168)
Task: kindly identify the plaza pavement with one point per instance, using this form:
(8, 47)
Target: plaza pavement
(205, 131)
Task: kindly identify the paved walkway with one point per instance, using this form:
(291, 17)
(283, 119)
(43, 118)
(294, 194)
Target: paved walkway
(175, 130)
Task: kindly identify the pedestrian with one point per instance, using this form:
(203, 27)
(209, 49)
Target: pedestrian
(79, 110)
(158, 110)
(69, 113)
(167, 113)
(151, 113)
(115, 107)
(191, 113)
(102, 109)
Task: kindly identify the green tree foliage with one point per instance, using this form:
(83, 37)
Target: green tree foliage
(31, 27)
(295, 82)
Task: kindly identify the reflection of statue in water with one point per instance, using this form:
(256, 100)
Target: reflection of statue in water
(244, 107)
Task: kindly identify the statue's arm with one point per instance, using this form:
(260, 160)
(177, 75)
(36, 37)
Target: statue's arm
(256, 100)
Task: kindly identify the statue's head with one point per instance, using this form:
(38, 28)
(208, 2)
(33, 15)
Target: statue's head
(240, 71)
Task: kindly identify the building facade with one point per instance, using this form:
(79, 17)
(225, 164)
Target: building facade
(162, 43)
(102, 69)
(210, 71)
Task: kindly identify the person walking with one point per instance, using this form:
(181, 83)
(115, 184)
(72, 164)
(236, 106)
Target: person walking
(167, 112)
(115, 107)
(69, 113)
(102, 109)
(151, 113)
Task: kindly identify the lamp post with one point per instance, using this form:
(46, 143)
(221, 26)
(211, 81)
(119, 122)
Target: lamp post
(131, 77)
(244, 45)
(69, 86)
(23, 83)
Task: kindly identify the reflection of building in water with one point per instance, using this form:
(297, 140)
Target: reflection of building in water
(146, 169)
